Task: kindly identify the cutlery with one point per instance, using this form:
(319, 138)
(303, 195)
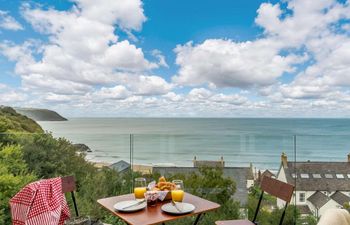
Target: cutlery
(135, 204)
(176, 206)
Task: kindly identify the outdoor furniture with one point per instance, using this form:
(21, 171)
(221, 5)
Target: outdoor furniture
(40, 202)
(274, 187)
(68, 185)
(154, 215)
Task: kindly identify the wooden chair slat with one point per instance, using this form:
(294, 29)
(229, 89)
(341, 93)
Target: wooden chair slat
(277, 188)
(68, 184)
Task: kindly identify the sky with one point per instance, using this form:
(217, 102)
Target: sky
(161, 58)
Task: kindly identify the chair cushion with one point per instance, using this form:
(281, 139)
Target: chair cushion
(234, 222)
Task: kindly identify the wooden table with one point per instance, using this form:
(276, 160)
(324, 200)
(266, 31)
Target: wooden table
(154, 215)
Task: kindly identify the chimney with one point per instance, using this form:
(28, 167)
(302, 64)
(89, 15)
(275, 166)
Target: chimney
(284, 160)
(222, 161)
(349, 158)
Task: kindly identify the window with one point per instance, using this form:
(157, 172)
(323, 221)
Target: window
(304, 175)
(316, 175)
(348, 175)
(301, 197)
(328, 175)
(340, 176)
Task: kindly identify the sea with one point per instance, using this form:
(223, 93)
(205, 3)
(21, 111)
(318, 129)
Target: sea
(240, 142)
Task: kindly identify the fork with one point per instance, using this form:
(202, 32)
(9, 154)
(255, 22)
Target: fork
(174, 204)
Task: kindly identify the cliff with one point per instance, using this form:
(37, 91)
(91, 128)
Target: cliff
(40, 114)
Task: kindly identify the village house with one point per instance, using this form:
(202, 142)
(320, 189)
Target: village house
(319, 185)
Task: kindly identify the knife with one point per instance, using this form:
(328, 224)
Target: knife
(134, 204)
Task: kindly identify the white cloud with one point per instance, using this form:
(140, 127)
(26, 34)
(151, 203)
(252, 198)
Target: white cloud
(299, 66)
(314, 25)
(161, 58)
(44, 83)
(83, 50)
(126, 14)
(11, 96)
(198, 94)
(226, 63)
(118, 92)
(291, 38)
(172, 96)
(234, 99)
(125, 56)
(55, 98)
(149, 85)
(7, 22)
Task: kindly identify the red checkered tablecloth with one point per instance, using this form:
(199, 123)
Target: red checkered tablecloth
(40, 203)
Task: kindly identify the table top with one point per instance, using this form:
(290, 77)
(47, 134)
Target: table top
(154, 215)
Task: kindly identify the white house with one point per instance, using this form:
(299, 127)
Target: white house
(319, 185)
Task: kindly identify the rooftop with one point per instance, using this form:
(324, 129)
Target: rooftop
(322, 176)
(340, 198)
(318, 199)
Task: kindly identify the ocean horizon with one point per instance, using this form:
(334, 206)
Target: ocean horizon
(176, 141)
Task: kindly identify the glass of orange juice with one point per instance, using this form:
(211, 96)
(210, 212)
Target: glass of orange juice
(178, 194)
(140, 188)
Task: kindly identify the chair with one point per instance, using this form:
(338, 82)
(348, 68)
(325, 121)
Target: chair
(68, 185)
(273, 187)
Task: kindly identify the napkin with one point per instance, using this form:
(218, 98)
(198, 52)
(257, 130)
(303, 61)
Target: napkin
(161, 194)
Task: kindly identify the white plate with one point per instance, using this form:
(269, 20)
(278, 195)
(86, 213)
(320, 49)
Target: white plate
(183, 208)
(123, 206)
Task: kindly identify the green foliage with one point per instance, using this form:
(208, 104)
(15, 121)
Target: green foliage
(347, 206)
(13, 176)
(11, 121)
(309, 220)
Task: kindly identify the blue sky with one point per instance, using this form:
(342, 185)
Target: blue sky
(177, 58)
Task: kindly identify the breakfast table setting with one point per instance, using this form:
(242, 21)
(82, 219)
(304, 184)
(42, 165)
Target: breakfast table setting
(157, 203)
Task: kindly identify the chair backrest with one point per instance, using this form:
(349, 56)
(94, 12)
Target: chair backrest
(68, 185)
(278, 189)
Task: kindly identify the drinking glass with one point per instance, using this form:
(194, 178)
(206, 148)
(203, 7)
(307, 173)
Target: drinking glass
(151, 198)
(140, 188)
(178, 194)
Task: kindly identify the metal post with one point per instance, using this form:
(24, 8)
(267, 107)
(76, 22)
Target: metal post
(197, 219)
(295, 179)
(131, 161)
(258, 207)
(75, 204)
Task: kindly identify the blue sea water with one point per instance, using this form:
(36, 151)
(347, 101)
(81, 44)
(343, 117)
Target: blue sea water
(240, 141)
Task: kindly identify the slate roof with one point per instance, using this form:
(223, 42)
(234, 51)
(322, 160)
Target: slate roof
(200, 163)
(340, 198)
(304, 209)
(120, 166)
(268, 173)
(239, 174)
(322, 168)
(318, 199)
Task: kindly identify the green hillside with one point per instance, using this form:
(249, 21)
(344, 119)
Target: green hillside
(11, 121)
(40, 114)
